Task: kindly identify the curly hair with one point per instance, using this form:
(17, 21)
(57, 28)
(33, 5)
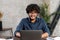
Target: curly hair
(33, 7)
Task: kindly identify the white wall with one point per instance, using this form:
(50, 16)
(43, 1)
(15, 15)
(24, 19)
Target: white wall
(54, 4)
(53, 7)
(14, 11)
(57, 29)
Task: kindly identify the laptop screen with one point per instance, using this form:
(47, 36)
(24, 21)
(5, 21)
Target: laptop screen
(31, 34)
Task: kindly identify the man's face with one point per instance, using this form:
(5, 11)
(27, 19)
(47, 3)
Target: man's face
(33, 14)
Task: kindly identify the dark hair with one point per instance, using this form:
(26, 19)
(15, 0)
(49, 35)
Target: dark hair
(33, 7)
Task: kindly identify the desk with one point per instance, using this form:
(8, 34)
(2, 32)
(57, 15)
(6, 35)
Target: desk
(16, 38)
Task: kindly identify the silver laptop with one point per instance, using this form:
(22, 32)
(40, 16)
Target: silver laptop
(31, 35)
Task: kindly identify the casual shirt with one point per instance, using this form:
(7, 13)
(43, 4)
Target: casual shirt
(26, 24)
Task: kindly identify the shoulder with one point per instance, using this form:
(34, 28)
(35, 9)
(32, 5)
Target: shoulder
(40, 19)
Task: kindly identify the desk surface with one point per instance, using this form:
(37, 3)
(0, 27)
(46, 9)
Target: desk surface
(16, 38)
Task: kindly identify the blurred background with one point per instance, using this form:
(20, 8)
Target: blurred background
(12, 11)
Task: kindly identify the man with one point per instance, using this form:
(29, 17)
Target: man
(32, 22)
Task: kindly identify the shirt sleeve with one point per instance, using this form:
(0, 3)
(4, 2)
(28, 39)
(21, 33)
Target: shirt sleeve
(45, 27)
(19, 27)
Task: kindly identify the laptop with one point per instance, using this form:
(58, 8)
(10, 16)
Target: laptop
(31, 34)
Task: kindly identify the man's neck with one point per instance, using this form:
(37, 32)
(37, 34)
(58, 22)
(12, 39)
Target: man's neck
(33, 20)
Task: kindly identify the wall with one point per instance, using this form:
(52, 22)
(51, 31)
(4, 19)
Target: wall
(13, 11)
(54, 4)
(53, 7)
(57, 29)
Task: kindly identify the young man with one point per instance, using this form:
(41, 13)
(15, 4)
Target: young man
(32, 22)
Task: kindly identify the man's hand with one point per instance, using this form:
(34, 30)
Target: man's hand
(45, 35)
(18, 34)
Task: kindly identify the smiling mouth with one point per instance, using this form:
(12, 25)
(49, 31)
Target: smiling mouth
(33, 16)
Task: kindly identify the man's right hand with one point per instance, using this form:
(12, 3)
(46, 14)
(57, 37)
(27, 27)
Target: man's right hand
(18, 34)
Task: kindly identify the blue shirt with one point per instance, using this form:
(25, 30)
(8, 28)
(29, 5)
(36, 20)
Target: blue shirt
(26, 24)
